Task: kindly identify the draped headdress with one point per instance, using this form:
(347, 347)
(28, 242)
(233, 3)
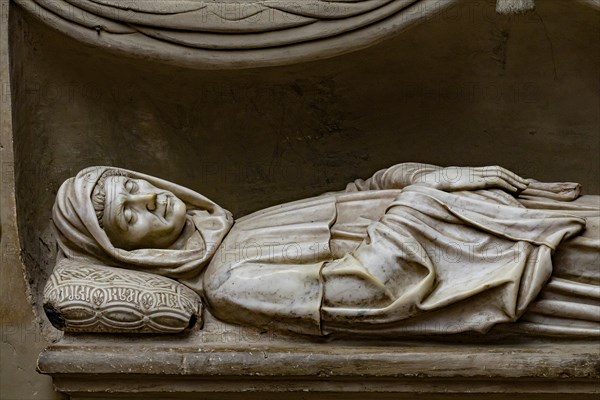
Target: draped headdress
(80, 236)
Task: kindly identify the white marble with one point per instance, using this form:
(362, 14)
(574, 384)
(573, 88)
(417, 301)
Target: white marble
(81, 297)
(415, 249)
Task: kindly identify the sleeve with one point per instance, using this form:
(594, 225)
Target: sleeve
(276, 296)
(267, 271)
(395, 177)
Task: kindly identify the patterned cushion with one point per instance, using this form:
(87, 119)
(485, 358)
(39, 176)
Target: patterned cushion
(80, 297)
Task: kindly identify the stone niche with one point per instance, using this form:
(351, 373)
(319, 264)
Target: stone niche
(463, 86)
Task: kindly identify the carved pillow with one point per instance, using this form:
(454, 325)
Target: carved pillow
(81, 297)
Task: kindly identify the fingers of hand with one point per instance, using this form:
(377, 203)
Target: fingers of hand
(501, 183)
(514, 179)
(497, 172)
(517, 178)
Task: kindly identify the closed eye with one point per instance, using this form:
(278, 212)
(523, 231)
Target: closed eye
(129, 216)
(131, 186)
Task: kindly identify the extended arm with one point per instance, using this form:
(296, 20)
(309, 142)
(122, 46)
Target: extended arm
(449, 179)
(395, 177)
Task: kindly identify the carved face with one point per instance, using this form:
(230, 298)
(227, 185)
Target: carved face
(139, 215)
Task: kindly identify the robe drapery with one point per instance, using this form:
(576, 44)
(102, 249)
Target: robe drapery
(412, 261)
(388, 256)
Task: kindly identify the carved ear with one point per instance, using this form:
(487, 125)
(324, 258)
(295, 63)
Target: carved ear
(82, 297)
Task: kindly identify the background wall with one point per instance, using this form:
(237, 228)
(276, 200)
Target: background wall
(22, 337)
(468, 87)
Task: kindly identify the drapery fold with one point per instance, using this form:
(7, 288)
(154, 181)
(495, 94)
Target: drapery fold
(80, 236)
(222, 34)
(453, 262)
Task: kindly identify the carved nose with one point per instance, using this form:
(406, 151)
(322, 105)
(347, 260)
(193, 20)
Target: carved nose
(146, 199)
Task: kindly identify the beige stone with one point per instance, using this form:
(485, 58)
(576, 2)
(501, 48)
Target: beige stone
(225, 35)
(251, 364)
(523, 90)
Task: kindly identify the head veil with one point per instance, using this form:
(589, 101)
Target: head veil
(80, 236)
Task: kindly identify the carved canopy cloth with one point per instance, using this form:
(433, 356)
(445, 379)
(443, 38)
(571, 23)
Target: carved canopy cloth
(232, 33)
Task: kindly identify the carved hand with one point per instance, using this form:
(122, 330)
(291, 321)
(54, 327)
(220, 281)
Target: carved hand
(453, 179)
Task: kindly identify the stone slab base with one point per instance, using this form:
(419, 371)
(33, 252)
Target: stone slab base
(255, 367)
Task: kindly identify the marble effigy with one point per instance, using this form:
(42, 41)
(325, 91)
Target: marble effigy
(414, 250)
(222, 357)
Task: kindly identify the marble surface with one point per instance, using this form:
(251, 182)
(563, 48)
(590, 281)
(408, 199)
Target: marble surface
(233, 35)
(22, 342)
(88, 298)
(227, 361)
(416, 249)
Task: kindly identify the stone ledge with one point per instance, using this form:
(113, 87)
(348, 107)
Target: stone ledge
(109, 368)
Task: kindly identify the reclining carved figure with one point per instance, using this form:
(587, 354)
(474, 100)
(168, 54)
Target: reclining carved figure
(415, 249)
